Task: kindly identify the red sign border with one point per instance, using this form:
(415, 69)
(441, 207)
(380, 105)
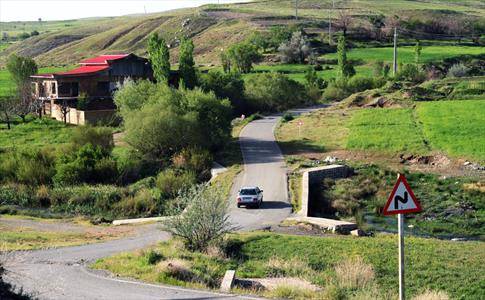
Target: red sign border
(418, 208)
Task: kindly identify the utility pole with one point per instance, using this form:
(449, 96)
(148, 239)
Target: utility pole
(330, 23)
(394, 65)
(296, 9)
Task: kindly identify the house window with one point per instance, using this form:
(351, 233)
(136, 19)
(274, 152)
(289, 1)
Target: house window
(103, 88)
(53, 88)
(64, 89)
(75, 89)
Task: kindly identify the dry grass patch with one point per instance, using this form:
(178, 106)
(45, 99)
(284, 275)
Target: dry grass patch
(279, 267)
(432, 295)
(177, 268)
(354, 273)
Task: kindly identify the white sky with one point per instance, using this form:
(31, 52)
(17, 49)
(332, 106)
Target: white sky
(31, 10)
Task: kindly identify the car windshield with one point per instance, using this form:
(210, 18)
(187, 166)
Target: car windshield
(248, 192)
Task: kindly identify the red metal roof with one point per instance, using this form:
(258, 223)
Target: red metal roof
(83, 70)
(102, 59)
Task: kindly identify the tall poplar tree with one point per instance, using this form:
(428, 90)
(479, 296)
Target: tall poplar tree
(345, 68)
(187, 70)
(159, 58)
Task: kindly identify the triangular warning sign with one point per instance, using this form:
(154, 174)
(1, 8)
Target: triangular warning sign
(402, 199)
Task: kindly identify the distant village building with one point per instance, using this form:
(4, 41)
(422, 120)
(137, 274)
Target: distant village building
(85, 95)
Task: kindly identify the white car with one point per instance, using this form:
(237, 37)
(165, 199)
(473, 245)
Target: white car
(250, 196)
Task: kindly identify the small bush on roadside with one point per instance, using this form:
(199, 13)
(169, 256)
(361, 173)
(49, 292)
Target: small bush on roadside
(202, 218)
(153, 257)
(354, 273)
(170, 182)
(458, 70)
(287, 116)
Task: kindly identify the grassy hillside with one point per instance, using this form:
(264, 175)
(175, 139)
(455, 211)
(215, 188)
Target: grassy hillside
(212, 26)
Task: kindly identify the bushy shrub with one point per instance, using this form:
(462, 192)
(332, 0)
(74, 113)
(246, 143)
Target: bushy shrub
(171, 183)
(29, 166)
(458, 70)
(360, 83)
(196, 160)
(97, 136)
(89, 164)
(203, 218)
(275, 92)
(142, 204)
(287, 116)
(296, 50)
(336, 90)
(411, 72)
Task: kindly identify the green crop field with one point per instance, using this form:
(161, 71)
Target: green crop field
(406, 54)
(453, 127)
(387, 130)
(34, 133)
(453, 267)
(457, 127)
(7, 86)
(297, 71)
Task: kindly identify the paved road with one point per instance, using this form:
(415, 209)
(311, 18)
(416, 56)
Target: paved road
(264, 166)
(62, 273)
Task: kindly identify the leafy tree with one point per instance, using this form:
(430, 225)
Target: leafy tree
(7, 109)
(417, 52)
(187, 70)
(243, 55)
(21, 68)
(226, 85)
(166, 120)
(279, 35)
(345, 68)
(296, 50)
(225, 62)
(202, 218)
(274, 92)
(312, 79)
(159, 58)
(260, 40)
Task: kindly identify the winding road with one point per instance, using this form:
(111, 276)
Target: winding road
(63, 274)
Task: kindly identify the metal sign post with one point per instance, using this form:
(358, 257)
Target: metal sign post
(400, 202)
(400, 226)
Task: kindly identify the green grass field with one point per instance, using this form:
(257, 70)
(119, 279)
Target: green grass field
(406, 54)
(453, 267)
(457, 127)
(386, 130)
(453, 127)
(297, 71)
(7, 85)
(34, 133)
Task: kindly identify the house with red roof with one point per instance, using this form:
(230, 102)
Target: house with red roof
(84, 95)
